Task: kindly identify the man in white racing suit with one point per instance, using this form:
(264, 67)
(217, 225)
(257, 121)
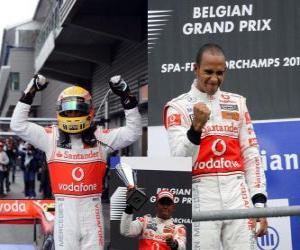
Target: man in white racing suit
(214, 127)
(159, 233)
(76, 155)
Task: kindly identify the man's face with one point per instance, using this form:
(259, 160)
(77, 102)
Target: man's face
(210, 73)
(165, 208)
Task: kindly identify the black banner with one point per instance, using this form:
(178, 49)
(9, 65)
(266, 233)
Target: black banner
(260, 40)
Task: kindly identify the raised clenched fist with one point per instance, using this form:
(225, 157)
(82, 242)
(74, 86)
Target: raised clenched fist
(171, 242)
(119, 86)
(40, 82)
(201, 116)
(37, 83)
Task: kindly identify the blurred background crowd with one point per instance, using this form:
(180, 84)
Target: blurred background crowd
(23, 170)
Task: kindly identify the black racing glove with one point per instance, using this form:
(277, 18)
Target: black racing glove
(121, 88)
(193, 136)
(173, 244)
(128, 209)
(259, 198)
(37, 83)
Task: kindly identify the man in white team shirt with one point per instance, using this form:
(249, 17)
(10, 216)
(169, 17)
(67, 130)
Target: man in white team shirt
(157, 232)
(214, 127)
(76, 155)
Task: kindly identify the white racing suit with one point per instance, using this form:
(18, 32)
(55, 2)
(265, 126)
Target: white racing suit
(227, 168)
(76, 175)
(151, 231)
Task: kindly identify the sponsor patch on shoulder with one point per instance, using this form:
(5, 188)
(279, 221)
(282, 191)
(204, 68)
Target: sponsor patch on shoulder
(229, 107)
(174, 120)
(230, 115)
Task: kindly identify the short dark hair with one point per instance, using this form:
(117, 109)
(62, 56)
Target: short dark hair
(212, 48)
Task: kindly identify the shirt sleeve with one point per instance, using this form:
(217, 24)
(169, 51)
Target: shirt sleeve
(5, 159)
(130, 228)
(180, 236)
(124, 136)
(177, 129)
(29, 132)
(254, 171)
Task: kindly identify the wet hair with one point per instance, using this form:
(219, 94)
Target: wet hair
(213, 48)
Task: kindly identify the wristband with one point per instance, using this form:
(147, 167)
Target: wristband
(128, 209)
(129, 102)
(260, 205)
(174, 245)
(193, 136)
(28, 98)
(259, 198)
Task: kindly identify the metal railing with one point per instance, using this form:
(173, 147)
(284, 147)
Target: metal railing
(6, 120)
(234, 214)
(38, 120)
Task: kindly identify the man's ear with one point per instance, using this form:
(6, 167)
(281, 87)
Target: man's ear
(196, 67)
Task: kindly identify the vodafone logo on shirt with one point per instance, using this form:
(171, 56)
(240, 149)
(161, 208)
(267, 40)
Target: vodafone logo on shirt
(218, 147)
(79, 179)
(221, 163)
(77, 187)
(220, 154)
(77, 174)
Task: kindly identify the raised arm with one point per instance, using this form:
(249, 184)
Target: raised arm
(184, 134)
(30, 132)
(124, 136)
(130, 227)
